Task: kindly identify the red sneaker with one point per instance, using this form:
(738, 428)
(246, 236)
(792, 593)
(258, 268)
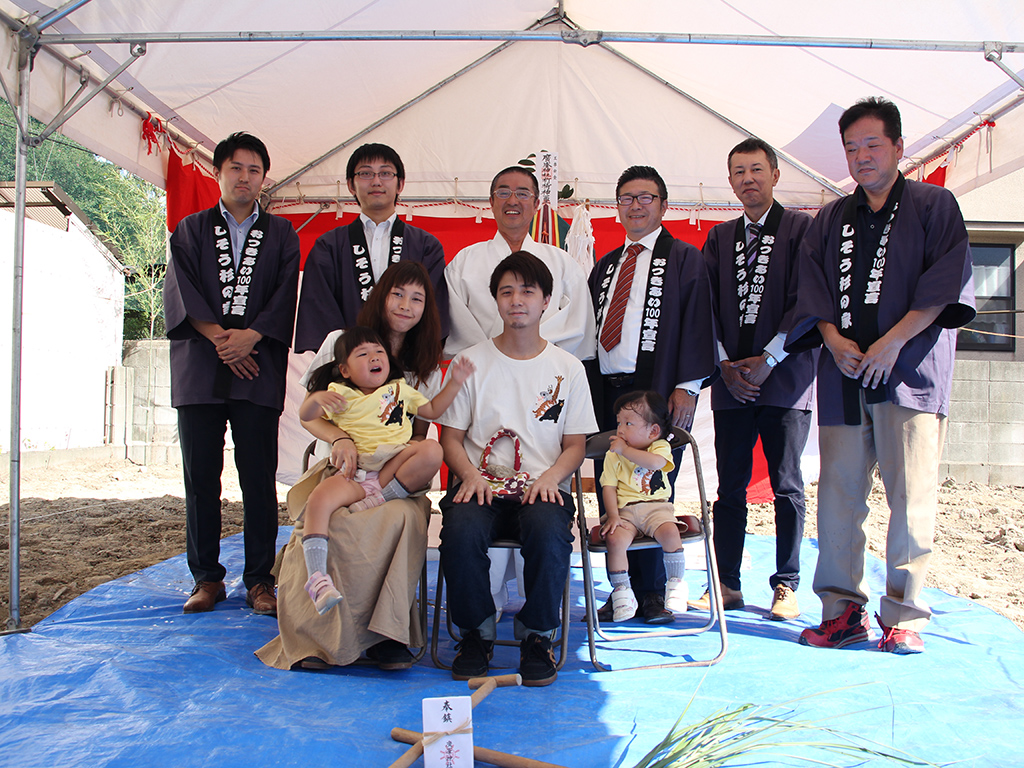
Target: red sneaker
(852, 627)
(899, 641)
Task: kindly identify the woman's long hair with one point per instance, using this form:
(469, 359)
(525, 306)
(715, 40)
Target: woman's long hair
(328, 373)
(420, 352)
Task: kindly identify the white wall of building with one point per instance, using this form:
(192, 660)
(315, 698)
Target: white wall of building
(73, 327)
(985, 437)
(999, 200)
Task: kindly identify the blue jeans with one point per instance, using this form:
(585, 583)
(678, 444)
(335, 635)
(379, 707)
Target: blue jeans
(467, 531)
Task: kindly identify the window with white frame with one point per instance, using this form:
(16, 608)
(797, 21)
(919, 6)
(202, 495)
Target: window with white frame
(993, 329)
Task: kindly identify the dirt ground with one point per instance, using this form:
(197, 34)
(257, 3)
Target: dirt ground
(84, 524)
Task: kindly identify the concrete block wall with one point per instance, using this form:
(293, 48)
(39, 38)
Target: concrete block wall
(154, 426)
(985, 437)
(120, 396)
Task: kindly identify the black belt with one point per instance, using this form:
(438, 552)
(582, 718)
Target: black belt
(619, 380)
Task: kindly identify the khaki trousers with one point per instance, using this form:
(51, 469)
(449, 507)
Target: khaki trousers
(906, 446)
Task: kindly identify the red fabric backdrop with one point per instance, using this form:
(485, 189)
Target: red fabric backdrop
(937, 177)
(456, 233)
(190, 190)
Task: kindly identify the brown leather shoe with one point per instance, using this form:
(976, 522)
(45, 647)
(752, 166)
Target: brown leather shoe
(205, 595)
(262, 600)
(732, 600)
(784, 605)
(604, 613)
(652, 608)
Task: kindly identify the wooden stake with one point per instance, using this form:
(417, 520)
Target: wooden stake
(483, 686)
(481, 754)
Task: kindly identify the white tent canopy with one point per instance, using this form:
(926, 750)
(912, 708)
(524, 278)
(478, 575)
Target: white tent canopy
(676, 105)
(659, 82)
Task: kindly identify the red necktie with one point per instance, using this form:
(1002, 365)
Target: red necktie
(611, 328)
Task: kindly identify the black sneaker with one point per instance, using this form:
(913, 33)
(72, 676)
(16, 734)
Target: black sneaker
(390, 655)
(473, 655)
(536, 661)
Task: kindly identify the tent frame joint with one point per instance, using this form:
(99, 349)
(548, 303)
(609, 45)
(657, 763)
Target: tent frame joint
(994, 53)
(582, 37)
(68, 111)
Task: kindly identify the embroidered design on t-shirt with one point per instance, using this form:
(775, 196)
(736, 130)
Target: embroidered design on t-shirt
(549, 407)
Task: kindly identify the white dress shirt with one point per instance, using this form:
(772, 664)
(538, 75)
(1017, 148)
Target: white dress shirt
(622, 358)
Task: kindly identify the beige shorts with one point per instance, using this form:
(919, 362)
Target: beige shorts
(647, 516)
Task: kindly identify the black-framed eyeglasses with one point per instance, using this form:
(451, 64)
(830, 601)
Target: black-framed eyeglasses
(643, 199)
(382, 175)
(505, 193)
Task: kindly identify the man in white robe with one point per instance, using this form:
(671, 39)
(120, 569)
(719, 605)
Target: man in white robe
(568, 322)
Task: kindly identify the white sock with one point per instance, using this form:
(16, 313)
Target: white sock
(618, 578)
(314, 548)
(394, 490)
(675, 564)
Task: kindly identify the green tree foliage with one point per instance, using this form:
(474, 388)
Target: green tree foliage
(132, 215)
(128, 212)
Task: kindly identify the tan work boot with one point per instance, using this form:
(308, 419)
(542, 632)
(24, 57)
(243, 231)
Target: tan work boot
(784, 605)
(732, 600)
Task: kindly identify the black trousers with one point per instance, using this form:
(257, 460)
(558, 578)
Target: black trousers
(201, 430)
(646, 566)
(783, 433)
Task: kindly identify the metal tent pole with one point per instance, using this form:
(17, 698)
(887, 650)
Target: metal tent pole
(21, 174)
(59, 13)
(576, 36)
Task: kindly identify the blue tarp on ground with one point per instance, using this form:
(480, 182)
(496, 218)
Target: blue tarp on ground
(120, 677)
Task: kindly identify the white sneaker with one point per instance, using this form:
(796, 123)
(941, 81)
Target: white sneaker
(676, 595)
(322, 592)
(624, 603)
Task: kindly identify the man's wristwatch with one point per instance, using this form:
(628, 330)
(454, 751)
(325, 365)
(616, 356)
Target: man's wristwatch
(771, 361)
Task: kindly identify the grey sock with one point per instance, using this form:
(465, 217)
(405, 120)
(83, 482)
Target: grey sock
(618, 578)
(314, 547)
(675, 564)
(394, 490)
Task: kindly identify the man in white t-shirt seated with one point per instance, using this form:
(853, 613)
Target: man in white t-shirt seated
(540, 393)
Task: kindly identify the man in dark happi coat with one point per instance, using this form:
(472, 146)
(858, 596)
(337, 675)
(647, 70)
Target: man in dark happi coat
(763, 390)
(345, 263)
(654, 332)
(229, 300)
(885, 278)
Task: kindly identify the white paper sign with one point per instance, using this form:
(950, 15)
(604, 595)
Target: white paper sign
(547, 177)
(448, 732)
